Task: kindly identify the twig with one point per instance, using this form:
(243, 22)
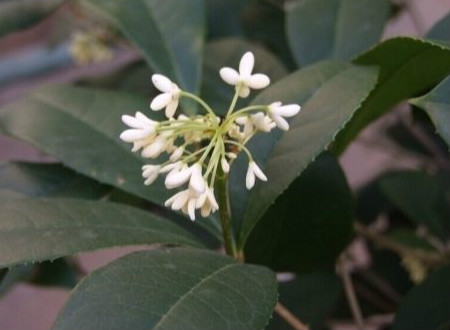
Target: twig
(290, 318)
(350, 294)
(379, 283)
(429, 258)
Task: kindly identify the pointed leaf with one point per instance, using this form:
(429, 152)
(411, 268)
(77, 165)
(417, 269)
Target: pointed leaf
(48, 180)
(407, 67)
(437, 105)
(334, 29)
(172, 289)
(329, 99)
(169, 33)
(37, 230)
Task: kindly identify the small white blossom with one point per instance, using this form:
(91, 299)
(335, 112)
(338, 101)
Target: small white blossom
(176, 154)
(169, 97)
(178, 176)
(244, 79)
(150, 173)
(262, 122)
(197, 183)
(141, 127)
(207, 203)
(225, 165)
(252, 171)
(278, 111)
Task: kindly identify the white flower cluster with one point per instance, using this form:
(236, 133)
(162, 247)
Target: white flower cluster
(199, 147)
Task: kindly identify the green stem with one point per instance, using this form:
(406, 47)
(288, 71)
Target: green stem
(224, 209)
(234, 101)
(200, 101)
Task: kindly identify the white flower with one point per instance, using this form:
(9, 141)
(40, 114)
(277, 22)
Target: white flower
(178, 176)
(169, 97)
(262, 122)
(244, 79)
(186, 201)
(253, 170)
(141, 128)
(150, 173)
(207, 203)
(176, 154)
(278, 111)
(225, 165)
(156, 147)
(197, 183)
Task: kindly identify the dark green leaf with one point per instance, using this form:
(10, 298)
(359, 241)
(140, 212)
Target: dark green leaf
(37, 230)
(169, 34)
(329, 94)
(172, 289)
(21, 14)
(441, 30)
(427, 306)
(228, 52)
(407, 67)
(437, 105)
(308, 225)
(58, 272)
(334, 29)
(423, 198)
(48, 180)
(311, 297)
(81, 128)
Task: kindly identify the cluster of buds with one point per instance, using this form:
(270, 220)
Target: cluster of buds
(202, 146)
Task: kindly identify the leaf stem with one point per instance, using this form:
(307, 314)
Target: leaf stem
(290, 318)
(224, 210)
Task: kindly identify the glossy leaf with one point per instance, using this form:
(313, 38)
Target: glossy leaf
(169, 34)
(421, 198)
(311, 297)
(228, 52)
(334, 29)
(81, 128)
(172, 289)
(21, 14)
(309, 225)
(407, 67)
(441, 30)
(329, 94)
(427, 306)
(437, 105)
(48, 180)
(37, 230)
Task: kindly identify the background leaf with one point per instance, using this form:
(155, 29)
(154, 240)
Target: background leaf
(427, 306)
(170, 34)
(172, 289)
(308, 225)
(311, 297)
(48, 180)
(37, 230)
(330, 98)
(437, 105)
(407, 67)
(440, 30)
(228, 52)
(334, 29)
(21, 14)
(423, 198)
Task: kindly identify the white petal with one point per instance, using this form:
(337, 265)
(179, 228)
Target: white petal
(281, 122)
(289, 110)
(258, 81)
(170, 167)
(229, 75)
(246, 64)
(171, 108)
(154, 149)
(161, 101)
(244, 91)
(176, 155)
(177, 178)
(197, 183)
(225, 165)
(143, 118)
(201, 200)
(191, 209)
(181, 200)
(170, 201)
(151, 179)
(131, 135)
(250, 178)
(149, 170)
(206, 210)
(258, 171)
(241, 120)
(132, 122)
(162, 83)
(212, 199)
